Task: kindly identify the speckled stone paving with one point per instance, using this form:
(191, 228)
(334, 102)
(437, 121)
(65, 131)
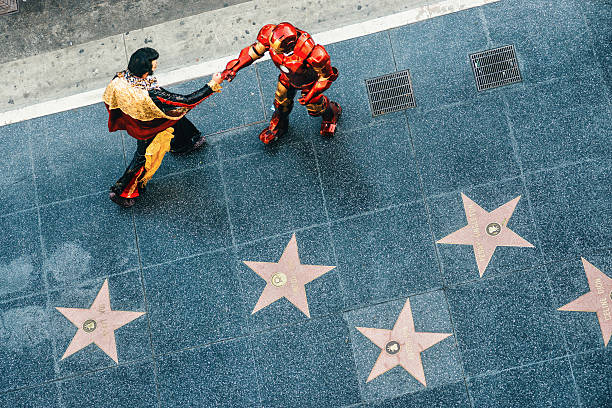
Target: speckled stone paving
(316, 272)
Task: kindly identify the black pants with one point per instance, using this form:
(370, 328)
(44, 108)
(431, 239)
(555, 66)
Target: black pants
(185, 136)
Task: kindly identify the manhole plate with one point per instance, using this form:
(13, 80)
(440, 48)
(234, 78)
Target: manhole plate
(497, 67)
(8, 6)
(390, 93)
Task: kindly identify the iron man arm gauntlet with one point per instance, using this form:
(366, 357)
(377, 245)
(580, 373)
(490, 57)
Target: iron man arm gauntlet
(246, 58)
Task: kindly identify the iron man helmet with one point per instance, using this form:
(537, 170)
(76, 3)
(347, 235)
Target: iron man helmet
(283, 38)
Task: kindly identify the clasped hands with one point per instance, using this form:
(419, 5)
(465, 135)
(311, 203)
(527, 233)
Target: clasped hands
(229, 75)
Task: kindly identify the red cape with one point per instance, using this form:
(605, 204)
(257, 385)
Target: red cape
(138, 129)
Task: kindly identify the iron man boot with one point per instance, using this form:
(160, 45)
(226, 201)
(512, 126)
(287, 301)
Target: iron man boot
(330, 119)
(279, 123)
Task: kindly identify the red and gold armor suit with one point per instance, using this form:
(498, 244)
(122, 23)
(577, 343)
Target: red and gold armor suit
(304, 66)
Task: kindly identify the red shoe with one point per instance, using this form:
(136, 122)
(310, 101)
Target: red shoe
(278, 126)
(121, 201)
(328, 127)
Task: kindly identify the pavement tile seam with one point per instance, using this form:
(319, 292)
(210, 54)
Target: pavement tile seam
(43, 252)
(156, 378)
(260, 331)
(123, 137)
(88, 281)
(517, 157)
(459, 354)
(503, 180)
(329, 231)
(146, 304)
(391, 48)
(376, 210)
(60, 379)
(261, 94)
(226, 198)
(427, 208)
(566, 357)
(576, 389)
(485, 26)
(600, 63)
(577, 166)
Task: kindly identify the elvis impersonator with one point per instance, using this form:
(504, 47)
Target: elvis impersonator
(153, 116)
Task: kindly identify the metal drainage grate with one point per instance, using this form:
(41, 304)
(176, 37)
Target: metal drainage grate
(497, 67)
(8, 6)
(390, 93)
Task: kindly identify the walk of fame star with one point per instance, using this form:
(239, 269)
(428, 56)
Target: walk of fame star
(598, 300)
(401, 346)
(486, 231)
(286, 278)
(97, 324)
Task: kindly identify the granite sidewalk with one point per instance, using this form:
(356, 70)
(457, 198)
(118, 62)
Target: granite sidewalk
(375, 202)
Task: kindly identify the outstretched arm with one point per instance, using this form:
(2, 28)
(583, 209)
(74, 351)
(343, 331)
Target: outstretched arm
(249, 54)
(169, 101)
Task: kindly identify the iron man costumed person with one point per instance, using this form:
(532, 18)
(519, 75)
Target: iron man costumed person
(304, 66)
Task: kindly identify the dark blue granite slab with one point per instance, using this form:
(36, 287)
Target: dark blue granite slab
(133, 339)
(238, 103)
(598, 15)
(324, 294)
(552, 40)
(86, 238)
(306, 365)
(547, 384)
(441, 362)
(75, 154)
(131, 385)
(568, 282)
(219, 375)
(194, 301)
(385, 255)
(17, 186)
(592, 373)
(446, 396)
(505, 322)
(182, 215)
(26, 343)
(45, 396)
(561, 121)
(436, 51)
(572, 208)
(368, 168)
(274, 192)
(458, 261)
(20, 255)
(463, 145)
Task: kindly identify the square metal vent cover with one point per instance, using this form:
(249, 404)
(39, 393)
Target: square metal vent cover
(8, 6)
(497, 67)
(390, 93)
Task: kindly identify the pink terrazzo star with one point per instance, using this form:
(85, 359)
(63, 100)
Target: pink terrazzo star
(598, 300)
(286, 278)
(97, 324)
(401, 346)
(486, 231)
